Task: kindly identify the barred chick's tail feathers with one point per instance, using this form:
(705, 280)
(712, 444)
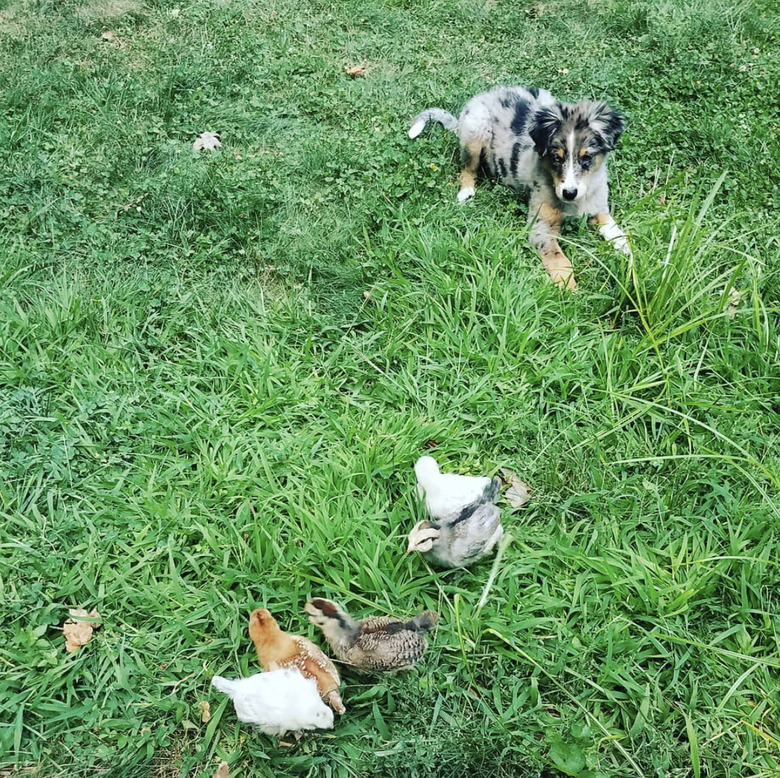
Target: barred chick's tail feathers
(224, 685)
(433, 115)
(425, 622)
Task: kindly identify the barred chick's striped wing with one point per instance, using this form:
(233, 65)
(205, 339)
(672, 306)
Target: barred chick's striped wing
(387, 644)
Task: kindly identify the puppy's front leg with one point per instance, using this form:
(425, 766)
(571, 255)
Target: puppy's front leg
(544, 238)
(611, 233)
(470, 153)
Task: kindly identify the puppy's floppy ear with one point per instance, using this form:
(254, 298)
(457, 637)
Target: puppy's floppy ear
(608, 123)
(545, 123)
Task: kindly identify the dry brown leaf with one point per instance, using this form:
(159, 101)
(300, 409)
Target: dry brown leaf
(77, 631)
(112, 37)
(205, 710)
(355, 70)
(518, 493)
(222, 771)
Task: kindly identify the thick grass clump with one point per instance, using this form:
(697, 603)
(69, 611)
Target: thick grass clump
(217, 371)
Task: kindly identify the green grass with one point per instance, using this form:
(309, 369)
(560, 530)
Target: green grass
(217, 371)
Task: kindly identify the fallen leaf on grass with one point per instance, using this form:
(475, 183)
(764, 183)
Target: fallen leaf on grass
(77, 631)
(518, 494)
(207, 140)
(355, 70)
(205, 711)
(222, 771)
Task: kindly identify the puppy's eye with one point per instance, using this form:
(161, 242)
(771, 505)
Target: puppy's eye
(586, 158)
(559, 154)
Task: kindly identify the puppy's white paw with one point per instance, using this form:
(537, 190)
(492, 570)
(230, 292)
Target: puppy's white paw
(614, 235)
(621, 245)
(416, 129)
(465, 194)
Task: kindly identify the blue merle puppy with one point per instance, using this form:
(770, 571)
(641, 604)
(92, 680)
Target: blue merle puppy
(553, 153)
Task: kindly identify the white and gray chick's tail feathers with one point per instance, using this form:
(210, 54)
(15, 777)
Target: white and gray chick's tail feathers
(493, 491)
(444, 118)
(224, 685)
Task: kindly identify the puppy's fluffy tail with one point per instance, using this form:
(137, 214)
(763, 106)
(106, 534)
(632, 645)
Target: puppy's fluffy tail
(433, 115)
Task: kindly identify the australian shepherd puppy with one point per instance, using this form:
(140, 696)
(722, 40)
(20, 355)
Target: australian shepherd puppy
(553, 153)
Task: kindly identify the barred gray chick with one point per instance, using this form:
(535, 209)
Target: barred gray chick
(376, 643)
(460, 543)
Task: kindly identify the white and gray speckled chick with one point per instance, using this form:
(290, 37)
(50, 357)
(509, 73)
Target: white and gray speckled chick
(276, 702)
(460, 543)
(465, 523)
(448, 496)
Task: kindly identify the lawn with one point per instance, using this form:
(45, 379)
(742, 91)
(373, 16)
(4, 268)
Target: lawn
(217, 371)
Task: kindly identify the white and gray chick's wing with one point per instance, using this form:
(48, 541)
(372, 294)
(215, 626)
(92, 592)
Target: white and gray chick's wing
(463, 542)
(449, 495)
(455, 500)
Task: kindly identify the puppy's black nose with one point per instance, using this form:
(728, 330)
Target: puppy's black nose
(569, 194)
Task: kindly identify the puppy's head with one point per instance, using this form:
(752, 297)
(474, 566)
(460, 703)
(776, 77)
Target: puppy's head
(573, 140)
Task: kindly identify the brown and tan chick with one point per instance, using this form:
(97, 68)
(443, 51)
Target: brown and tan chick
(377, 643)
(277, 649)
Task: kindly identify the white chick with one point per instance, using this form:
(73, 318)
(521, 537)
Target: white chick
(449, 496)
(276, 702)
(460, 543)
